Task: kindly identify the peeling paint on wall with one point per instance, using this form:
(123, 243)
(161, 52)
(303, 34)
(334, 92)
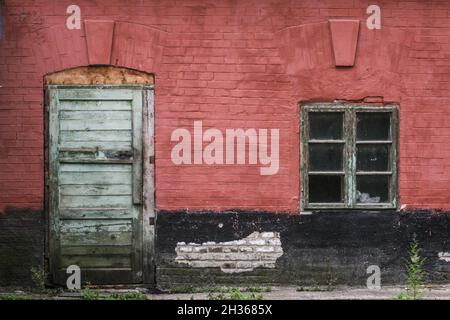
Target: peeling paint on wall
(444, 256)
(256, 250)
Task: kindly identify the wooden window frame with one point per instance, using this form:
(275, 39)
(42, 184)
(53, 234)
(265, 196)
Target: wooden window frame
(349, 159)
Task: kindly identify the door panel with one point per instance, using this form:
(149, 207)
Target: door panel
(95, 183)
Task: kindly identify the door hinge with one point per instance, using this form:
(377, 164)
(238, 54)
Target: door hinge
(151, 221)
(151, 159)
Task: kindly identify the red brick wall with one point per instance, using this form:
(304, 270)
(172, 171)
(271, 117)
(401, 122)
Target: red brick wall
(233, 64)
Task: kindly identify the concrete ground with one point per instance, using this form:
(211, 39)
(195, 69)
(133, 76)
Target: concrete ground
(346, 293)
(441, 292)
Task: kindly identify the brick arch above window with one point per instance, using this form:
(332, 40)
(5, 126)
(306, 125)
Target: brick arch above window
(307, 55)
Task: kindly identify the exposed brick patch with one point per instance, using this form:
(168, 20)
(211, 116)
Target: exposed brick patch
(256, 250)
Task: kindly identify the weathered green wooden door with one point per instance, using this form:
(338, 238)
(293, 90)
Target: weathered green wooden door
(95, 182)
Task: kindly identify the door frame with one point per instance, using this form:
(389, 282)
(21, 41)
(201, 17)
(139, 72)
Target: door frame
(148, 215)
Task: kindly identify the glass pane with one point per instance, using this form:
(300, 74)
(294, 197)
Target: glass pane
(372, 189)
(325, 125)
(373, 126)
(325, 189)
(372, 157)
(325, 156)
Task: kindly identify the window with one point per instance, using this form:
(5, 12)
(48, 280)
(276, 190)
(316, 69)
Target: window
(349, 156)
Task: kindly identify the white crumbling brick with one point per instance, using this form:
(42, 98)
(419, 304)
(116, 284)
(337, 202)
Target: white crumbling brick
(199, 249)
(265, 249)
(185, 249)
(256, 250)
(275, 242)
(257, 242)
(444, 256)
(268, 235)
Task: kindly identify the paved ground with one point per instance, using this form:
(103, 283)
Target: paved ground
(274, 293)
(292, 293)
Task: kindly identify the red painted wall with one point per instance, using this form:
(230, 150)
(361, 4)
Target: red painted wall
(235, 64)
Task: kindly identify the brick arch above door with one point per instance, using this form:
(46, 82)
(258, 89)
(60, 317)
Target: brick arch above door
(99, 75)
(99, 42)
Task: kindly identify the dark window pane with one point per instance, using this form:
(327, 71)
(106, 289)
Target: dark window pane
(325, 189)
(373, 126)
(325, 125)
(372, 189)
(325, 156)
(374, 157)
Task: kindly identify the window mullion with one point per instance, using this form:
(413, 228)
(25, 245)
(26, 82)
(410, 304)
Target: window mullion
(351, 157)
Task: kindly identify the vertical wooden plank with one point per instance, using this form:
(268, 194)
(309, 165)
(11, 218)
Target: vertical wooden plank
(148, 188)
(137, 262)
(136, 242)
(54, 236)
(46, 174)
(137, 147)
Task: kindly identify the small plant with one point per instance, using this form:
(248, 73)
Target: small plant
(89, 294)
(235, 294)
(415, 272)
(14, 296)
(312, 289)
(38, 278)
(129, 296)
(258, 289)
(330, 277)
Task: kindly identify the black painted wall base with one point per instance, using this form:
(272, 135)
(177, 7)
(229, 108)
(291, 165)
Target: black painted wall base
(22, 239)
(319, 249)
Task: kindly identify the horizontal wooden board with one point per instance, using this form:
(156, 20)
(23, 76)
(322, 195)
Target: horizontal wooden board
(100, 261)
(96, 238)
(88, 178)
(96, 190)
(95, 201)
(96, 250)
(88, 213)
(99, 226)
(101, 145)
(95, 156)
(105, 135)
(73, 167)
(100, 105)
(99, 94)
(87, 115)
(95, 124)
